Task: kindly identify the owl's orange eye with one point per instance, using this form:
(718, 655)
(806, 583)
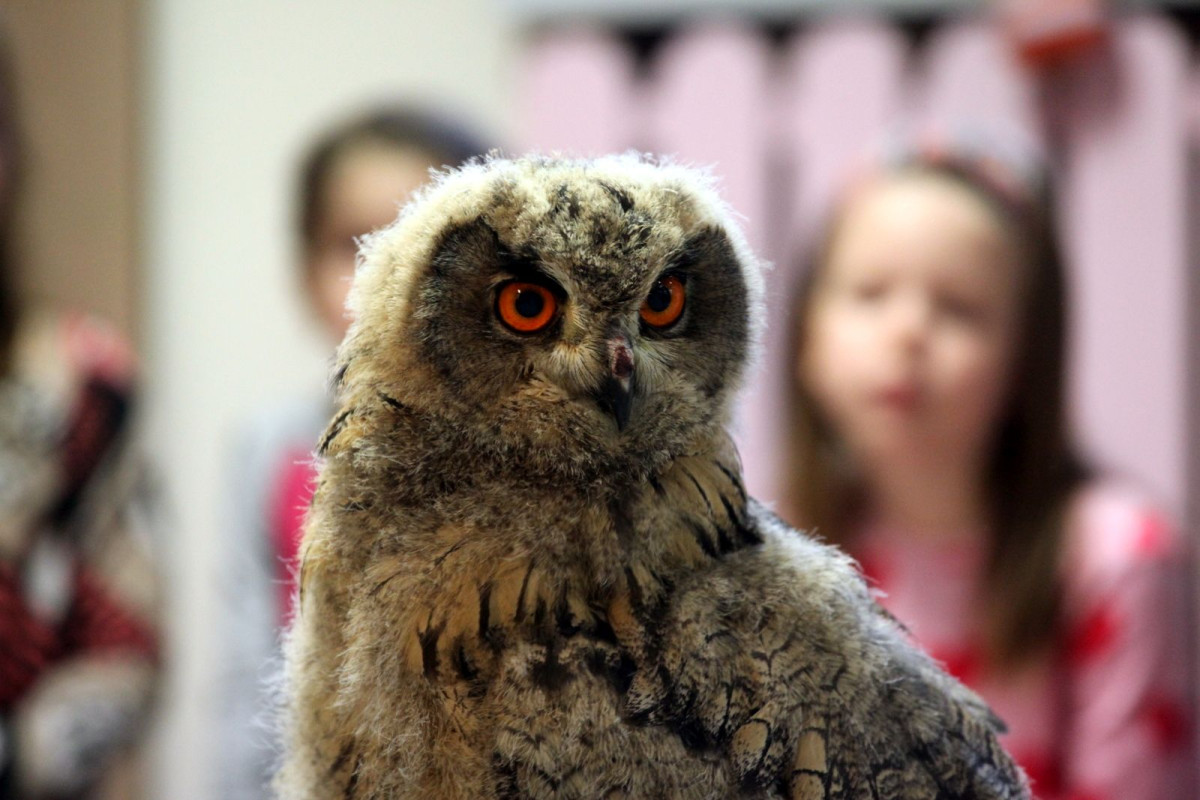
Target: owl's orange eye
(525, 307)
(664, 304)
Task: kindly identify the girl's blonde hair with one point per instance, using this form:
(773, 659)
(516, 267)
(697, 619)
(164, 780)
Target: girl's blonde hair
(1033, 468)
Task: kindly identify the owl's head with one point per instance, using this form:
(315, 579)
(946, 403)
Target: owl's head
(576, 315)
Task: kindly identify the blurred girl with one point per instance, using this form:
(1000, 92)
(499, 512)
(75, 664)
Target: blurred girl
(353, 181)
(79, 631)
(931, 440)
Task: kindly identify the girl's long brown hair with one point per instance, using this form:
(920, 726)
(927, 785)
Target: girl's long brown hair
(11, 169)
(1033, 469)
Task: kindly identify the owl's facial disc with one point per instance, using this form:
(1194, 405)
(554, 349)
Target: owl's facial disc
(617, 353)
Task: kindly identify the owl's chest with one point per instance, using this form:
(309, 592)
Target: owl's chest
(551, 724)
(503, 625)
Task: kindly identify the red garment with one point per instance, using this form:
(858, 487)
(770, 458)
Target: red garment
(95, 623)
(295, 481)
(91, 385)
(1111, 715)
(79, 643)
(29, 643)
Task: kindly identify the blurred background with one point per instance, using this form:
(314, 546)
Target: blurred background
(162, 138)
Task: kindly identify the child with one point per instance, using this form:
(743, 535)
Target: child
(931, 441)
(353, 181)
(80, 635)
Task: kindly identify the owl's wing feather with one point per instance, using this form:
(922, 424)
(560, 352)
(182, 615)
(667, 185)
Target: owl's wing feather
(780, 654)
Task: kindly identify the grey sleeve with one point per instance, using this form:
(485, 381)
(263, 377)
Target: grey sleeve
(247, 650)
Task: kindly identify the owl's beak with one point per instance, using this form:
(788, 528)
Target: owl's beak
(616, 392)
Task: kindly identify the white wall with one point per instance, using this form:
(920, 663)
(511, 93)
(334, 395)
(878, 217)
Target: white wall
(235, 89)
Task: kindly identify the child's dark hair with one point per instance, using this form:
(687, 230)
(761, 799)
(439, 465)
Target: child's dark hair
(1033, 469)
(447, 142)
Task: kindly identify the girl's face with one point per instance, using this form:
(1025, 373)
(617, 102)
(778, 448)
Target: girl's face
(912, 324)
(364, 190)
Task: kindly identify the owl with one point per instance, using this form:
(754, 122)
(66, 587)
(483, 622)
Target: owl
(531, 569)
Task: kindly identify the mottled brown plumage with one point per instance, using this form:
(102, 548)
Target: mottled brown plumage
(511, 589)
